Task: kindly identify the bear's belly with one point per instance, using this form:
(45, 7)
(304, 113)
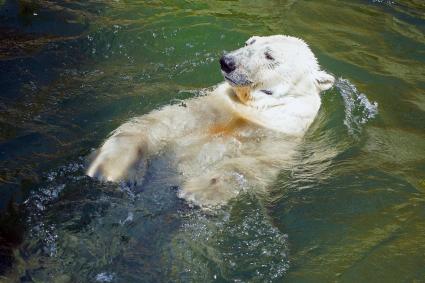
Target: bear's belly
(215, 168)
(202, 151)
(205, 150)
(196, 154)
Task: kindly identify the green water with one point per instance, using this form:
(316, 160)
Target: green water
(351, 209)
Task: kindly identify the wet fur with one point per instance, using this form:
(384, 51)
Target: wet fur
(236, 138)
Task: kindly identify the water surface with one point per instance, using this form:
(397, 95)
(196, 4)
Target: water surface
(350, 209)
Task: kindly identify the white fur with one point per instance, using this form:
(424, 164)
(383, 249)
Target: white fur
(233, 139)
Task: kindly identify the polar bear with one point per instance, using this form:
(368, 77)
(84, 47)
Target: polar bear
(236, 137)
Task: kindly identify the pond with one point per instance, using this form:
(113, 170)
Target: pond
(350, 209)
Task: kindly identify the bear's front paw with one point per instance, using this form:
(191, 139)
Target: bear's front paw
(116, 170)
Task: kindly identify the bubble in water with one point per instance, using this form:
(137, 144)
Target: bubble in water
(104, 277)
(130, 218)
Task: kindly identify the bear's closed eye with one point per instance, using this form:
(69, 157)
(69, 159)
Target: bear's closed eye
(268, 92)
(268, 55)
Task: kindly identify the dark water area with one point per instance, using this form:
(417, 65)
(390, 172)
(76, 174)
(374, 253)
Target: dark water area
(351, 209)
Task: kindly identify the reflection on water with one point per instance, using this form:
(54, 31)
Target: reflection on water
(350, 208)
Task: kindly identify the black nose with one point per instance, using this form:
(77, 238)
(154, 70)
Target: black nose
(227, 64)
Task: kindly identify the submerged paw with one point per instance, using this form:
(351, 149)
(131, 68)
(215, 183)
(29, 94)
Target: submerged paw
(208, 191)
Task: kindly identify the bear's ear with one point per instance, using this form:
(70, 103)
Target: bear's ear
(323, 80)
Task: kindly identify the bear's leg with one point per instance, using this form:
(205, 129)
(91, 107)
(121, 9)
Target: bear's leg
(224, 182)
(209, 190)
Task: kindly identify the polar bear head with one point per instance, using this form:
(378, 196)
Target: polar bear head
(269, 68)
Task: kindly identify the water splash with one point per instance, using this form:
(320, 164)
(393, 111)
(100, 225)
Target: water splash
(358, 109)
(196, 92)
(388, 2)
(239, 247)
(39, 201)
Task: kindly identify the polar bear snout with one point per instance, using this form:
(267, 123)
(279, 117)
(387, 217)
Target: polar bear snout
(233, 73)
(227, 64)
